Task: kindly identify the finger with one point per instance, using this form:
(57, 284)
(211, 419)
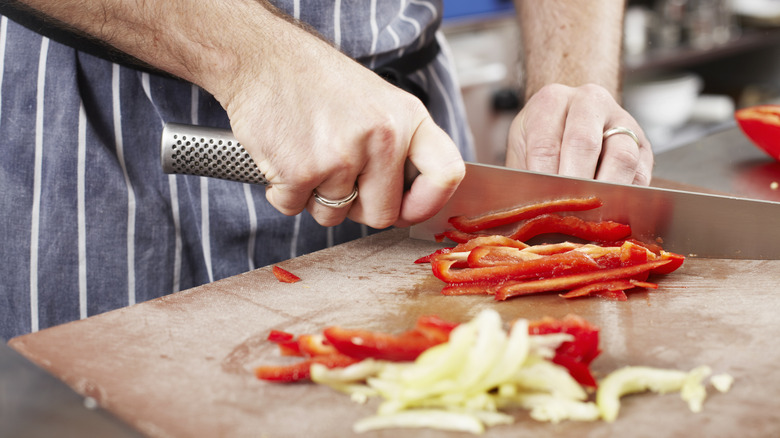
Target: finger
(581, 146)
(441, 170)
(644, 171)
(543, 126)
(289, 199)
(339, 185)
(624, 158)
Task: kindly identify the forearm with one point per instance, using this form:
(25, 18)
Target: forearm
(202, 41)
(571, 42)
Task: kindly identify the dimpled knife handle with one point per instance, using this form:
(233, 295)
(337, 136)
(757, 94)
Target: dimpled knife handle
(203, 151)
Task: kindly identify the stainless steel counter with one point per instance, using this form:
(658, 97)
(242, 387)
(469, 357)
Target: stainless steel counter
(725, 162)
(35, 404)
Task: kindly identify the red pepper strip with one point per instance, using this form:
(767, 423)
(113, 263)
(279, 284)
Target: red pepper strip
(652, 247)
(575, 355)
(585, 346)
(474, 288)
(280, 336)
(362, 344)
(435, 328)
(676, 261)
(301, 370)
(459, 236)
(603, 231)
(492, 220)
(491, 240)
(633, 254)
(553, 265)
(484, 256)
(603, 286)
(284, 275)
(517, 288)
(607, 286)
(614, 295)
(315, 345)
(288, 345)
(553, 248)
(427, 258)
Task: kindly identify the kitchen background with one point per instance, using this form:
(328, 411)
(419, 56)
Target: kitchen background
(688, 64)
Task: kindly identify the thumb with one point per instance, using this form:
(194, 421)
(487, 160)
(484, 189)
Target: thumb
(441, 169)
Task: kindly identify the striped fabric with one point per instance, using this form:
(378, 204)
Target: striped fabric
(90, 223)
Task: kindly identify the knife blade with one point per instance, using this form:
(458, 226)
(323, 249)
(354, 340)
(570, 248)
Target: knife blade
(689, 223)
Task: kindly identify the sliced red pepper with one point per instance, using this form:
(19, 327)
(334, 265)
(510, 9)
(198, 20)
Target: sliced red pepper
(362, 344)
(280, 336)
(761, 124)
(284, 275)
(553, 265)
(575, 355)
(485, 256)
(676, 261)
(427, 258)
(473, 288)
(315, 345)
(605, 287)
(602, 231)
(613, 295)
(496, 240)
(288, 345)
(435, 328)
(492, 220)
(517, 288)
(633, 254)
(301, 370)
(459, 236)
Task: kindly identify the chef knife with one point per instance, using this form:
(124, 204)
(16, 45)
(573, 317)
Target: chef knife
(689, 223)
(693, 224)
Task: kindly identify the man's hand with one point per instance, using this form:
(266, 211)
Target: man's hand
(319, 121)
(560, 129)
(311, 118)
(572, 60)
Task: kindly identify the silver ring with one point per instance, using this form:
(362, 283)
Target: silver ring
(337, 203)
(621, 130)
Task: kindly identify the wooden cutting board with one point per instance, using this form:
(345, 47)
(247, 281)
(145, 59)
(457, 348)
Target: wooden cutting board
(182, 365)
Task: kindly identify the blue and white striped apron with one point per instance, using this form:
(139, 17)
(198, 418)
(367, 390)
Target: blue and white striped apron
(90, 223)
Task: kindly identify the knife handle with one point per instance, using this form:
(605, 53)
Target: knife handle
(204, 151)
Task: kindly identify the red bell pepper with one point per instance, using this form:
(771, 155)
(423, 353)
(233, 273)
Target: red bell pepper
(556, 264)
(575, 355)
(427, 258)
(492, 220)
(435, 328)
(301, 370)
(284, 275)
(517, 288)
(602, 231)
(676, 261)
(761, 124)
(363, 344)
(288, 345)
(472, 288)
(315, 345)
(613, 295)
(607, 286)
(484, 256)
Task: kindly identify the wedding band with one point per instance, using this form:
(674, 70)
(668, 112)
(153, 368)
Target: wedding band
(621, 130)
(337, 203)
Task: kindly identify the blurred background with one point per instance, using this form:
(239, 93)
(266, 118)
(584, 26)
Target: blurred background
(687, 65)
